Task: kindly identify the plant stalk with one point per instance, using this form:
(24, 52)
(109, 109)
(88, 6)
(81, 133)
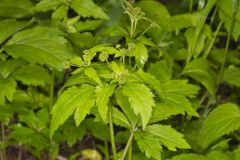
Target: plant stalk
(112, 138)
(128, 144)
(106, 150)
(220, 75)
(213, 40)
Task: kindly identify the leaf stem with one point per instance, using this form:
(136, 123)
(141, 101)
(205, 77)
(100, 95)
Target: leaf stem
(127, 145)
(130, 152)
(190, 6)
(213, 40)
(106, 150)
(112, 138)
(220, 75)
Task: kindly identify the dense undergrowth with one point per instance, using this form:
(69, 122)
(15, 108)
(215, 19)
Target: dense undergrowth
(116, 79)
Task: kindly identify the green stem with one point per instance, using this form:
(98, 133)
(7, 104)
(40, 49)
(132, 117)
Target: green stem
(130, 152)
(112, 138)
(106, 150)
(144, 31)
(213, 40)
(128, 144)
(220, 75)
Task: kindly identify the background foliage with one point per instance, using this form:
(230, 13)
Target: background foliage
(111, 79)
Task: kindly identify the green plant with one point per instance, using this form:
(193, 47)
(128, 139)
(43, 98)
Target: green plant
(129, 80)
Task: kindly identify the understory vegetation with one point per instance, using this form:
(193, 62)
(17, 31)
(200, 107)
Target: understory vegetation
(120, 79)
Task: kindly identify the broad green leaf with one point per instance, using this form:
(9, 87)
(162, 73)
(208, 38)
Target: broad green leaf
(103, 96)
(60, 12)
(92, 74)
(87, 8)
(168, 136)
(123, 102)
(164, 74)
(88, 25)
(97, 129)
(7, 89)
(236, 154)
(148, 144)
(15, 9)
(222, 120)
(199, 70)
(181, 21)
(180, 87)
(120, 119)
(32, 75)
(204, 34)
(155, 10)
(231, 75)
(226, 8)
(11, 26)
(216, 155)
(140, 53)
(41, 45)
(141, 100)
(7, 67)
(45, 5)
(189, 156)
(81, 99)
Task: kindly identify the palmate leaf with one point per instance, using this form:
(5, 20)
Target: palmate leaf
(7, 89)
(222, 120)
(11, 26)
(32, 75)
(168, 136)
(103, 95)
(41, 45)
(148, 144)
(81, 99)
(189, 156)
(141, 100)
(87, 8)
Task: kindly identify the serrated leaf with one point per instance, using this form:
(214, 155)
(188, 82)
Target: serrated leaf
(141, 100)
(45, 5)
(180, 87)
(222, 120)
(11, 26)
(88, 25)
(120, 119)
(16, 9)
(7, 67)
(164, 74)
(7, 89)
(123, 102)
(140, 53)
(199, 70)
(41, 45)
(88, 8)
(81, 99)
(189, 156)
(231, 75)
(148, 144)
(225, 12)
(92, 74)
(103, 95)
(168, 136)
(32, 75)
(216, 155)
